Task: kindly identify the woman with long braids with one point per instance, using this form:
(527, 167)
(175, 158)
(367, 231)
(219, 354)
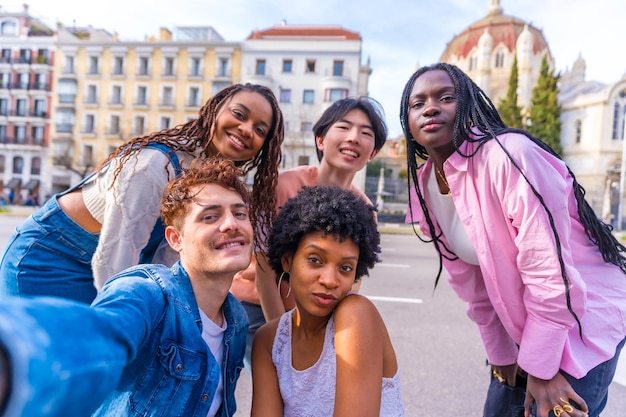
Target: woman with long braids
(111, 220)
(543, 277)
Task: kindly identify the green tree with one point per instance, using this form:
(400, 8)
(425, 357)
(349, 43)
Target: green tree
(510, 112)
(545, 110)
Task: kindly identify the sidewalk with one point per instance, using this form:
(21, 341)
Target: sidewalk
(20, 211)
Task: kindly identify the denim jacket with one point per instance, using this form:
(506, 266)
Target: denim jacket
(138, 348)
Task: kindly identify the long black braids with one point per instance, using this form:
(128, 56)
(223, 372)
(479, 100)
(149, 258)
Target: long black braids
(476, 113)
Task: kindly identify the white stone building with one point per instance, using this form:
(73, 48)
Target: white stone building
(307, 68)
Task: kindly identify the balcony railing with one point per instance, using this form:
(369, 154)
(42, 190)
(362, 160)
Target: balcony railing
(65, 127)
(26, 140)
(67, 98)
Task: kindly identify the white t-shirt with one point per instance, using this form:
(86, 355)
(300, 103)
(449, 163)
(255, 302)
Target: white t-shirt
(213, 336)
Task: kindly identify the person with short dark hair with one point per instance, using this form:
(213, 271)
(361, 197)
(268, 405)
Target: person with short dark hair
(331, 354)
(542, 275)
(157, 341)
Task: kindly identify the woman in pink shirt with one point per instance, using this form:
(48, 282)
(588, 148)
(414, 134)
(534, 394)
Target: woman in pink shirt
(542, 275)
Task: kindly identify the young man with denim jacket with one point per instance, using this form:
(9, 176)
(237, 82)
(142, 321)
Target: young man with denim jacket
(156, 341)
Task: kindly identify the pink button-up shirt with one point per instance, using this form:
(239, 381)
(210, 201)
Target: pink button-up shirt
(517, 294)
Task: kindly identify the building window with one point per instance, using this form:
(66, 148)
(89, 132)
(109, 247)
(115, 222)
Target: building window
(3, 136)
(142, 95)
(5, 80)
(18, 165)
(5, 56)
(144, 65)
(287, 65)
(22, 82)
(285, 95)
(20, 107)
(222, 69)
(338, 68)
(579, 130)
(473, 63)
(168, 66)
(616, 121)
(165, 122)
(4, 106)
(42, 81)
(167, 96)
(334, 94)
(2, 163)
(35, 166)
(24, 56)
(195, 67)
(260, 67)
(39, 107)
(68, 65)
(310, 65)
(94, 62)
(194, 97)
(92, 95)
(306, 127)
(8, 28)
(116, 94)
(139, 126)
(499, 59)
(90, 124)
(42, 56)
(308, 97)
(118, 65)
(37, 135)
(303, 160)
(619, 116)
(87, 156)
(114, 125)
(20, 134)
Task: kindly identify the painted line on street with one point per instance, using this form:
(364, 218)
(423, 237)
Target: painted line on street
(395, 299)
(394, 265)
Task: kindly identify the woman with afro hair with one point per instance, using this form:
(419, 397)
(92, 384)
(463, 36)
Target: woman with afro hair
(312, 360)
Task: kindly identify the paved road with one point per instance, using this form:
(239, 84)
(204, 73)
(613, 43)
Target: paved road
(440, 355)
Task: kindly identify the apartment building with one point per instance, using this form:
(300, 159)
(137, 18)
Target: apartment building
(27, 55)
(110, 90)
(308, 68)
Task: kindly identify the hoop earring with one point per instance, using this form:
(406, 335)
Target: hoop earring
(280, 280)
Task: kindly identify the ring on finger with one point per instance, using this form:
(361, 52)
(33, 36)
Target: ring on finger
(567, 407)
(557, 410)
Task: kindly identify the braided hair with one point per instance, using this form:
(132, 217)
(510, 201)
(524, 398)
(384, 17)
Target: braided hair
(477, 114)
(197, 134)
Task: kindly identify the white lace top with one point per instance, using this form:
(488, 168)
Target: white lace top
(311, 392)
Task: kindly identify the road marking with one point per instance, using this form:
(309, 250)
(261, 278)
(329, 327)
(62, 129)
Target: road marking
(395, 299)
(394, 265)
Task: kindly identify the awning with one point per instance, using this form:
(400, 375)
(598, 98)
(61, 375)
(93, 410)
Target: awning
(31, 185)
(13, 183)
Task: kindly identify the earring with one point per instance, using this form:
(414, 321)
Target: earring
(280, 280)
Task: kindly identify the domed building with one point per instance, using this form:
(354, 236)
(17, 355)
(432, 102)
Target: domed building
(485, 51)
(593, 114)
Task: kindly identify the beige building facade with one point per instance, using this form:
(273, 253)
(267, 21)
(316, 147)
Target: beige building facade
(110, 91)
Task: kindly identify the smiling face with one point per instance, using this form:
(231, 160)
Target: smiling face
(322, 271)
(216, 234)
(432, 112)
(349, 142)
(241, 126)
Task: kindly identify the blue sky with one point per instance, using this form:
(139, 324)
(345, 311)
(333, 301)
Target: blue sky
(398, 35)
